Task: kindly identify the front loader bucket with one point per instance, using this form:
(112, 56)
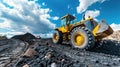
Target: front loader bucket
(103, 30)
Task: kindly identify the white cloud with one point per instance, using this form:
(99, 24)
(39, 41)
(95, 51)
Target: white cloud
(92, 13)
(14, 33)
(48, 35)
(55, 18)
(84, 4)
(26, 16)
(10, 34)
(6, 24)
(115, 27)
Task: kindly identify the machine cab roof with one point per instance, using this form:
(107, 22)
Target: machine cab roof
(68, 17)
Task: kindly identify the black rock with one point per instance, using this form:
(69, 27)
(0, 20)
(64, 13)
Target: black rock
(96, 61)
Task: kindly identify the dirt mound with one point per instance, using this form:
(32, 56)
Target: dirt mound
(28, 37)
(114, 36)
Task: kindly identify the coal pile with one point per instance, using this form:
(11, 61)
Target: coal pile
(44, 53)
(108, 46)
(28, 37)
(47, 57)
(63, 55)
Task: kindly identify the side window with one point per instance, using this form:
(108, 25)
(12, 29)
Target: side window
(71, 22)
(63, 22)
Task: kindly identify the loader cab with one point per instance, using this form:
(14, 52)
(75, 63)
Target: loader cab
(67, 19)
(66, 22)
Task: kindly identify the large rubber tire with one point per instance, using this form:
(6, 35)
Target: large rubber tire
(86, 39)
(57, 37)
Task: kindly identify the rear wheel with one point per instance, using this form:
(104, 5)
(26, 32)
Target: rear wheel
(57, 37)
(82, 38)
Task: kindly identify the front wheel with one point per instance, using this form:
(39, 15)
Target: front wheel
(82, 38)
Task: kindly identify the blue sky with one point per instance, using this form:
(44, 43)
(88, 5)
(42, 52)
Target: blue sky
(40, 17)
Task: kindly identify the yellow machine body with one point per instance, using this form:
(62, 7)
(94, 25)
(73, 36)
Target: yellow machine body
(100, 30)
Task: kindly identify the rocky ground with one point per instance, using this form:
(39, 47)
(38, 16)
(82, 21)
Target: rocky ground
(10, 50)
(44, 53)
(57, 55)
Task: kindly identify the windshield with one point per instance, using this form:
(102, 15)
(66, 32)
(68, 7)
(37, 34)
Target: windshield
(63, 22)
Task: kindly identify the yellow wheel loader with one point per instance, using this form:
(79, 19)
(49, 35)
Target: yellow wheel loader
(82, 34)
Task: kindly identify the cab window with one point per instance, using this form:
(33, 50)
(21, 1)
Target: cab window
(63, 22)
(71, 21)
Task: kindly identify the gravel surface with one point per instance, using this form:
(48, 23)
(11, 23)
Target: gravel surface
(63, 55)
(10, 50)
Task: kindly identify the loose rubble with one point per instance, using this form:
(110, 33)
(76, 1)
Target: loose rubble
(26, 65)
(43, 53)
(30, 52)
(10, 50)
(57, 55)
